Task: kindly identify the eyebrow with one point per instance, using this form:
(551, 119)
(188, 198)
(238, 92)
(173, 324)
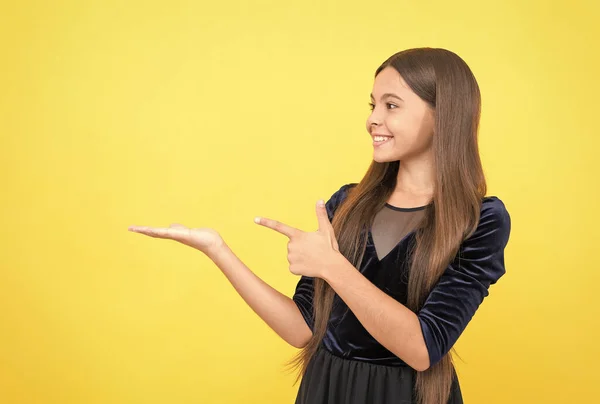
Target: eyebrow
(389, 95)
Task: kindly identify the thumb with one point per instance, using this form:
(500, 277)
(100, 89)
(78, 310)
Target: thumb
(323, 219)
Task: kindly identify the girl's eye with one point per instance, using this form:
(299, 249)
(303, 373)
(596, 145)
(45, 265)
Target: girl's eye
(372, 106)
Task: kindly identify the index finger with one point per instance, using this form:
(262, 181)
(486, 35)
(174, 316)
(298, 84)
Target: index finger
(277, 226)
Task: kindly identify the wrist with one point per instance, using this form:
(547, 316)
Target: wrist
(217, 250)
(333, 267)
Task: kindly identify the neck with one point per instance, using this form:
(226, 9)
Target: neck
(416, 176)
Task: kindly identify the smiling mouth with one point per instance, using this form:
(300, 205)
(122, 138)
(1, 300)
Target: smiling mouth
(378, 141)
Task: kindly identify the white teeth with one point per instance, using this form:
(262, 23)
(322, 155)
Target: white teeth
(380, 138)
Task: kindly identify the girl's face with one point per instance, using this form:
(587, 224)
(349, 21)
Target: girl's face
(404, 119)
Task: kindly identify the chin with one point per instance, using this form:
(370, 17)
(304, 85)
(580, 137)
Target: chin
(386, 158)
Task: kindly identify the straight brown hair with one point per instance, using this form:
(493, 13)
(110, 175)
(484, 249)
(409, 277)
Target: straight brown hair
(443, 80)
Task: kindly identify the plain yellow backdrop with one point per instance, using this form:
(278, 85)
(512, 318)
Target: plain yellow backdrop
(115, 113)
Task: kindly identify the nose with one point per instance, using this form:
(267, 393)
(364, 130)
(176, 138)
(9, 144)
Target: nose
(373, 120)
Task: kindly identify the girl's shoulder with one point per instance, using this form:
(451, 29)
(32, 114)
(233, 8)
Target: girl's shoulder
(337, 198)
(493, 228)
(492, 206)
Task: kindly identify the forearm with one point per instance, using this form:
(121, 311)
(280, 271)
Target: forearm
(392, 324)
(277, 310)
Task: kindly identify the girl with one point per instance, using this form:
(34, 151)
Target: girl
(401, 260)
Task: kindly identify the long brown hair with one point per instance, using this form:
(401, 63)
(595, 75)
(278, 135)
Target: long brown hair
(443, 80)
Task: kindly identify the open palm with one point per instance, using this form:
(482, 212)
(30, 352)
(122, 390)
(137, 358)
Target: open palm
(204, 239)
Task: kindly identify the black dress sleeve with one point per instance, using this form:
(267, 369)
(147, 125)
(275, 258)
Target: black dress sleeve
(465, 282)
(303, 295)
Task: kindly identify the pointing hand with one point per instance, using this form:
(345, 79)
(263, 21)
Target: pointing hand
(309, 253)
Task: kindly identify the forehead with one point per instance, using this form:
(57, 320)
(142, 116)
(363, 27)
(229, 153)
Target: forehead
(389, 81)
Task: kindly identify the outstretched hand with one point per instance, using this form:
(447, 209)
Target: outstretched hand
(309, 253)
(204, 239)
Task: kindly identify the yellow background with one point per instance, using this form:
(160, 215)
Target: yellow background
(116, 113)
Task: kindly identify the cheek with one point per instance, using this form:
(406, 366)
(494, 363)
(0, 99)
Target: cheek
(409, 134)
(399, 127)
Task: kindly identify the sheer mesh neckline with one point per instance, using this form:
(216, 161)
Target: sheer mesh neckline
(391, 227)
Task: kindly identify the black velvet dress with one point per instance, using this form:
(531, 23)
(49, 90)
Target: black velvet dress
(351, 367)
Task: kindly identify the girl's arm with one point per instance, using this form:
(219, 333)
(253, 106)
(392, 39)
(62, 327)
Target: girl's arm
(277, 310)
